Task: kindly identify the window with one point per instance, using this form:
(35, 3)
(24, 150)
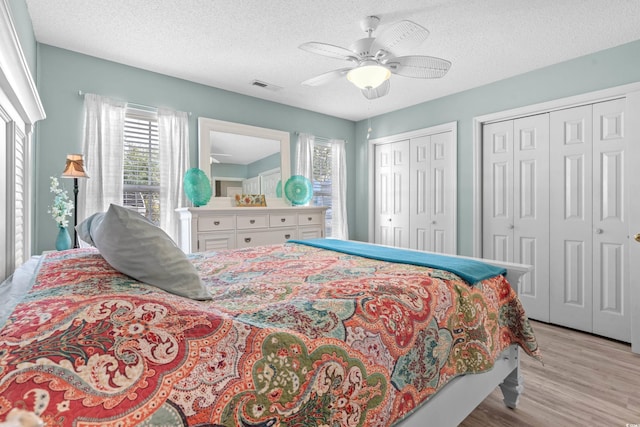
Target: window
(141, 190)
(322, 174)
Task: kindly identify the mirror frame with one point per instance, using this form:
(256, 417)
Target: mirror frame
(206, 125)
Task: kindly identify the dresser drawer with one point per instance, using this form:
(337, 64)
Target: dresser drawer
(282, 220)
(311, 232)
(245, 239)
(218, 222)
(215, 241)
(253, 221)
(312, 218)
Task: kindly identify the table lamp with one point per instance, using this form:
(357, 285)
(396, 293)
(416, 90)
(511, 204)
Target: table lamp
(75, 169)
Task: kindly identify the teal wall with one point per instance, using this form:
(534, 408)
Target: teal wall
(229, 170)
(24, 29)
(63, 73)
(262, 165)
(612, 67)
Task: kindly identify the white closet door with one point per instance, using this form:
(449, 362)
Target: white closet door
(392, 194)
(251, 185)
(611, 277)
(432, 204)
(571, 249)
(531, 211)
(420, 200)
(516, 203)
(497, 181)
(443, 193)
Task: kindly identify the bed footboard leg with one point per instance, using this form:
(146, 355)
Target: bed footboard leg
(513, 385)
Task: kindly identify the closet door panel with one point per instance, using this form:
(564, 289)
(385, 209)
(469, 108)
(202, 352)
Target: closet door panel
(392, 194)
(383, 214)
(571, 249)
(531, 210)
(610, 225)
(497, 181)
(421, 194)
(442, 191)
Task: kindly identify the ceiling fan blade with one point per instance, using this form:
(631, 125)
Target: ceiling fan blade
(329, 50)
(403, 35)
(377, 92)
(418, 66)
(326, 77)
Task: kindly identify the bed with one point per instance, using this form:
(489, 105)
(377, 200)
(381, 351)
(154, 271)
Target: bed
(297, 334)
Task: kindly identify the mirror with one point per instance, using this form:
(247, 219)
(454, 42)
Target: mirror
(242, 158)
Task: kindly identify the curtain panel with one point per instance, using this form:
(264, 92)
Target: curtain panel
(173, 137)
(103, 150)
(304, 167)
(339, 226)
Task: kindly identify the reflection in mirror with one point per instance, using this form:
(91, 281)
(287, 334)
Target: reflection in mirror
(253, 162)
(242, 158)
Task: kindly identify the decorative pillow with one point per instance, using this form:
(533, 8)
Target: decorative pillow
(134, 246)
(256, 200)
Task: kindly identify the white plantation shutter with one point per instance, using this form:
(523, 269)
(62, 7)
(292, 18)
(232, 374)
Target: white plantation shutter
(21, 249)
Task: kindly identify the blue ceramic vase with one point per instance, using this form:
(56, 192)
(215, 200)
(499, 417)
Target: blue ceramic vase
(63, 241)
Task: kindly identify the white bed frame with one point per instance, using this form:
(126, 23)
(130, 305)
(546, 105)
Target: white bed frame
(456, 400)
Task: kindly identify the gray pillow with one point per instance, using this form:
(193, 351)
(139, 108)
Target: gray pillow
(134, 246)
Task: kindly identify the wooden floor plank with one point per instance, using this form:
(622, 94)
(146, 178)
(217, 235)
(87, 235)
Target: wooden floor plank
(586, 380)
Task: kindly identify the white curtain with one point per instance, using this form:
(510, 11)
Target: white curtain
(304, 156)
(103, 155)
(173, 138)
(339, 226)
(304, 167)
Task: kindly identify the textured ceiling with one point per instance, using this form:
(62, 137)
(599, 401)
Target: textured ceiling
(230, 43)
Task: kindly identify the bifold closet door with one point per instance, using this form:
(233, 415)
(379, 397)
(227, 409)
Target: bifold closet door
(392, 194)
(433, 217)
(516, 203)
(589, 225)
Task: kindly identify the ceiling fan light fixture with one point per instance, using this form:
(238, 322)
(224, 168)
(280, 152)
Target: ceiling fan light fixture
(368, 76)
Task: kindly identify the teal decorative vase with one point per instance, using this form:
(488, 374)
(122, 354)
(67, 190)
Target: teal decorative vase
(63, 241)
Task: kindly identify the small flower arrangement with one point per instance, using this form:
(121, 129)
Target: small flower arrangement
(62, 206)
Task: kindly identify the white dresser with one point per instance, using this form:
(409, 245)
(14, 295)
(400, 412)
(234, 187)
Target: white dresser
(205, 229)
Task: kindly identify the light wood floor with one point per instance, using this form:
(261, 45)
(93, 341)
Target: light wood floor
(585, 381)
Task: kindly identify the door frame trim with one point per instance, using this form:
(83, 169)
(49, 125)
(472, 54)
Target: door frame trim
(432, 130)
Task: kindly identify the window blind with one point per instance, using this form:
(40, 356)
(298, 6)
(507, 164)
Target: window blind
(322, 187)
(141, 190)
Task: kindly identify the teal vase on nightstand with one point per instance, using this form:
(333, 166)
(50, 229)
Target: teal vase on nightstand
(63, 241)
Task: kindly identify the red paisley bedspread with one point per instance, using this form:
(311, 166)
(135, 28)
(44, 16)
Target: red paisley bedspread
(294, 336)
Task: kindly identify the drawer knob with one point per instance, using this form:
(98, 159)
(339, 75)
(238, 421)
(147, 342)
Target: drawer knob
(287, 236)
(283, 219)
(309, 218)
(216, 222)
(252, 221)
(247, 239)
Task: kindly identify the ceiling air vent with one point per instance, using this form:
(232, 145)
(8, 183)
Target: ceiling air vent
(264, 85)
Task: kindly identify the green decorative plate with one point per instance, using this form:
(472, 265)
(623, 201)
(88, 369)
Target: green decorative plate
(197, 187)
(298, 190)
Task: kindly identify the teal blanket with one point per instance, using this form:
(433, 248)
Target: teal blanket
(470, 270)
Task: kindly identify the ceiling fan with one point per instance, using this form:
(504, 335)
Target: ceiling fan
(375, 58)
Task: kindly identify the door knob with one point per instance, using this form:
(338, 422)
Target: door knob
(637, 237)
(511, 226)
(598, 230)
